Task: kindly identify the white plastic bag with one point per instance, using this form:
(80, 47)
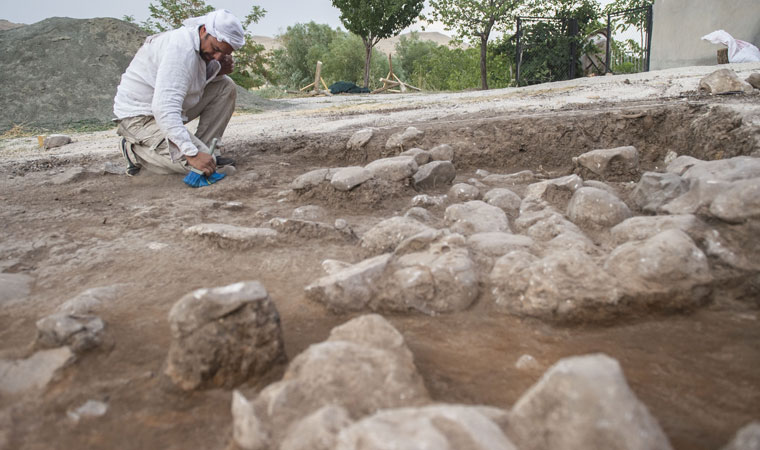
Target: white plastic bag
(738, 51)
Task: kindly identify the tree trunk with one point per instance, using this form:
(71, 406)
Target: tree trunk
(483, 68)
(367, 60)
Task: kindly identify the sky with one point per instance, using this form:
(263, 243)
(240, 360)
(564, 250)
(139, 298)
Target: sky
(280, 13)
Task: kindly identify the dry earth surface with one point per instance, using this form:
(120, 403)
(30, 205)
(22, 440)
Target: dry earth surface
(70, 226)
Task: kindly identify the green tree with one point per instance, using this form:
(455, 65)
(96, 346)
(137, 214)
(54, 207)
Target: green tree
(169, 14)
(302, 46)
(409, 50)
(373, 20)
(475, 19)
(345, 61)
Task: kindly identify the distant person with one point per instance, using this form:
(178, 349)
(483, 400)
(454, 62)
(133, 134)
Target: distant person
(175, 77)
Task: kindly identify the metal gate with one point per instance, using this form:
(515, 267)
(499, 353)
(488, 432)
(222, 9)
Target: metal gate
(630, 46)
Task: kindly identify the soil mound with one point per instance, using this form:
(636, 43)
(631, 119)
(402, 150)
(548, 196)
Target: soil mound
(65, 72)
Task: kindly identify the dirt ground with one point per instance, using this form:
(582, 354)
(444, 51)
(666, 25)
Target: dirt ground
(697, 373)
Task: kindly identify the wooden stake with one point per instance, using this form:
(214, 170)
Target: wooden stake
(318, 76)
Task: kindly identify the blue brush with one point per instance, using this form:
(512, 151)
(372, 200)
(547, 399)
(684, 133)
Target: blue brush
(196, 178)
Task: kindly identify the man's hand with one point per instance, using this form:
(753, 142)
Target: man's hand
(203, 162)
(228, 65)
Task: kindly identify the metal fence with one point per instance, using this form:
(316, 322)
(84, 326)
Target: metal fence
(630, 45)
(551, 49)
(546, 49)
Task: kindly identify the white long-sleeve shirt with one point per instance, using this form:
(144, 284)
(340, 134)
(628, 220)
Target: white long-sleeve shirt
(164, 80)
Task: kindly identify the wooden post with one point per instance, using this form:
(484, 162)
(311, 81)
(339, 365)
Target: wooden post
(318, 76)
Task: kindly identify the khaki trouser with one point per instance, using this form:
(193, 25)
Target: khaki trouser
(150, 148)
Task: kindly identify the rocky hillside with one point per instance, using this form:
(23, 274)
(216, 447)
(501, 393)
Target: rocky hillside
(67, 71)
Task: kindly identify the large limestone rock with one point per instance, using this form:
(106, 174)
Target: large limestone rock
(307, 229)
(614, 164)
(441, 279)
(387, 234)
(656, 189)
(56, 140)
(434, 174)
(502, 180)
(443, 152)
(231, 236)
(564, 286)
(398, 168)
(555, 192)
(595, 208)
(476, 217)
(405, 140)
(348, 178)
(754, 80)
(34, 373)
(463, 192)
(583, 403)
(748, 438)
(79, 332)
(551, 226)
(318, 431)
(359, 139)
(505, 199)
(352, 288)
(497, 244)
(644, 227)
(724, 81)
(223, 336)
(363, 367)
(697, 199)
(665, 272)
(739, 202)
(732, 169)
(312, 179)
(439, 427)
(421, 157)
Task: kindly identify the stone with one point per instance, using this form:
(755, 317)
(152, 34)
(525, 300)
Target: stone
(348, 178)
(568, 240)
(724, 170)
(407, 139)
(364, 366)
(387, 234)
(463, 192)
(614, 164)
(56, 140)
(421, 215)
(341, 224)
(681, 164)
(476, 217)
(527, 363)
(70, 175)
(656, 189)
(665, 272)
(500, 180)
(482, 173)
(581, 403)
(441, 279)
(550, 226)
(748, 438)
(307, 229)
(434, 174)
(90, 409)
(421, 157)
(233, 237)
(397, 168)
(318, 431)
(224, 336)
(34, 373)
(79, 332)
(332, 266)
(233, 206)
(360, 139)
(697, 199)
(14, 287)
(724, 81)
(754, 80)
(496, 244)
(555, 192)
(644, 227)
(350, 289)
(739, 202)
(429, 200)
(594, 208)
(477, 183)
(551, 288)
(311, 179)
(439, 427)
(421, 241)
(443, 152)
(90, 300)
(310, 212)
(670, 157)
(505, 199)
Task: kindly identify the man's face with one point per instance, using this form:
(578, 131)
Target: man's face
(211, 48)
